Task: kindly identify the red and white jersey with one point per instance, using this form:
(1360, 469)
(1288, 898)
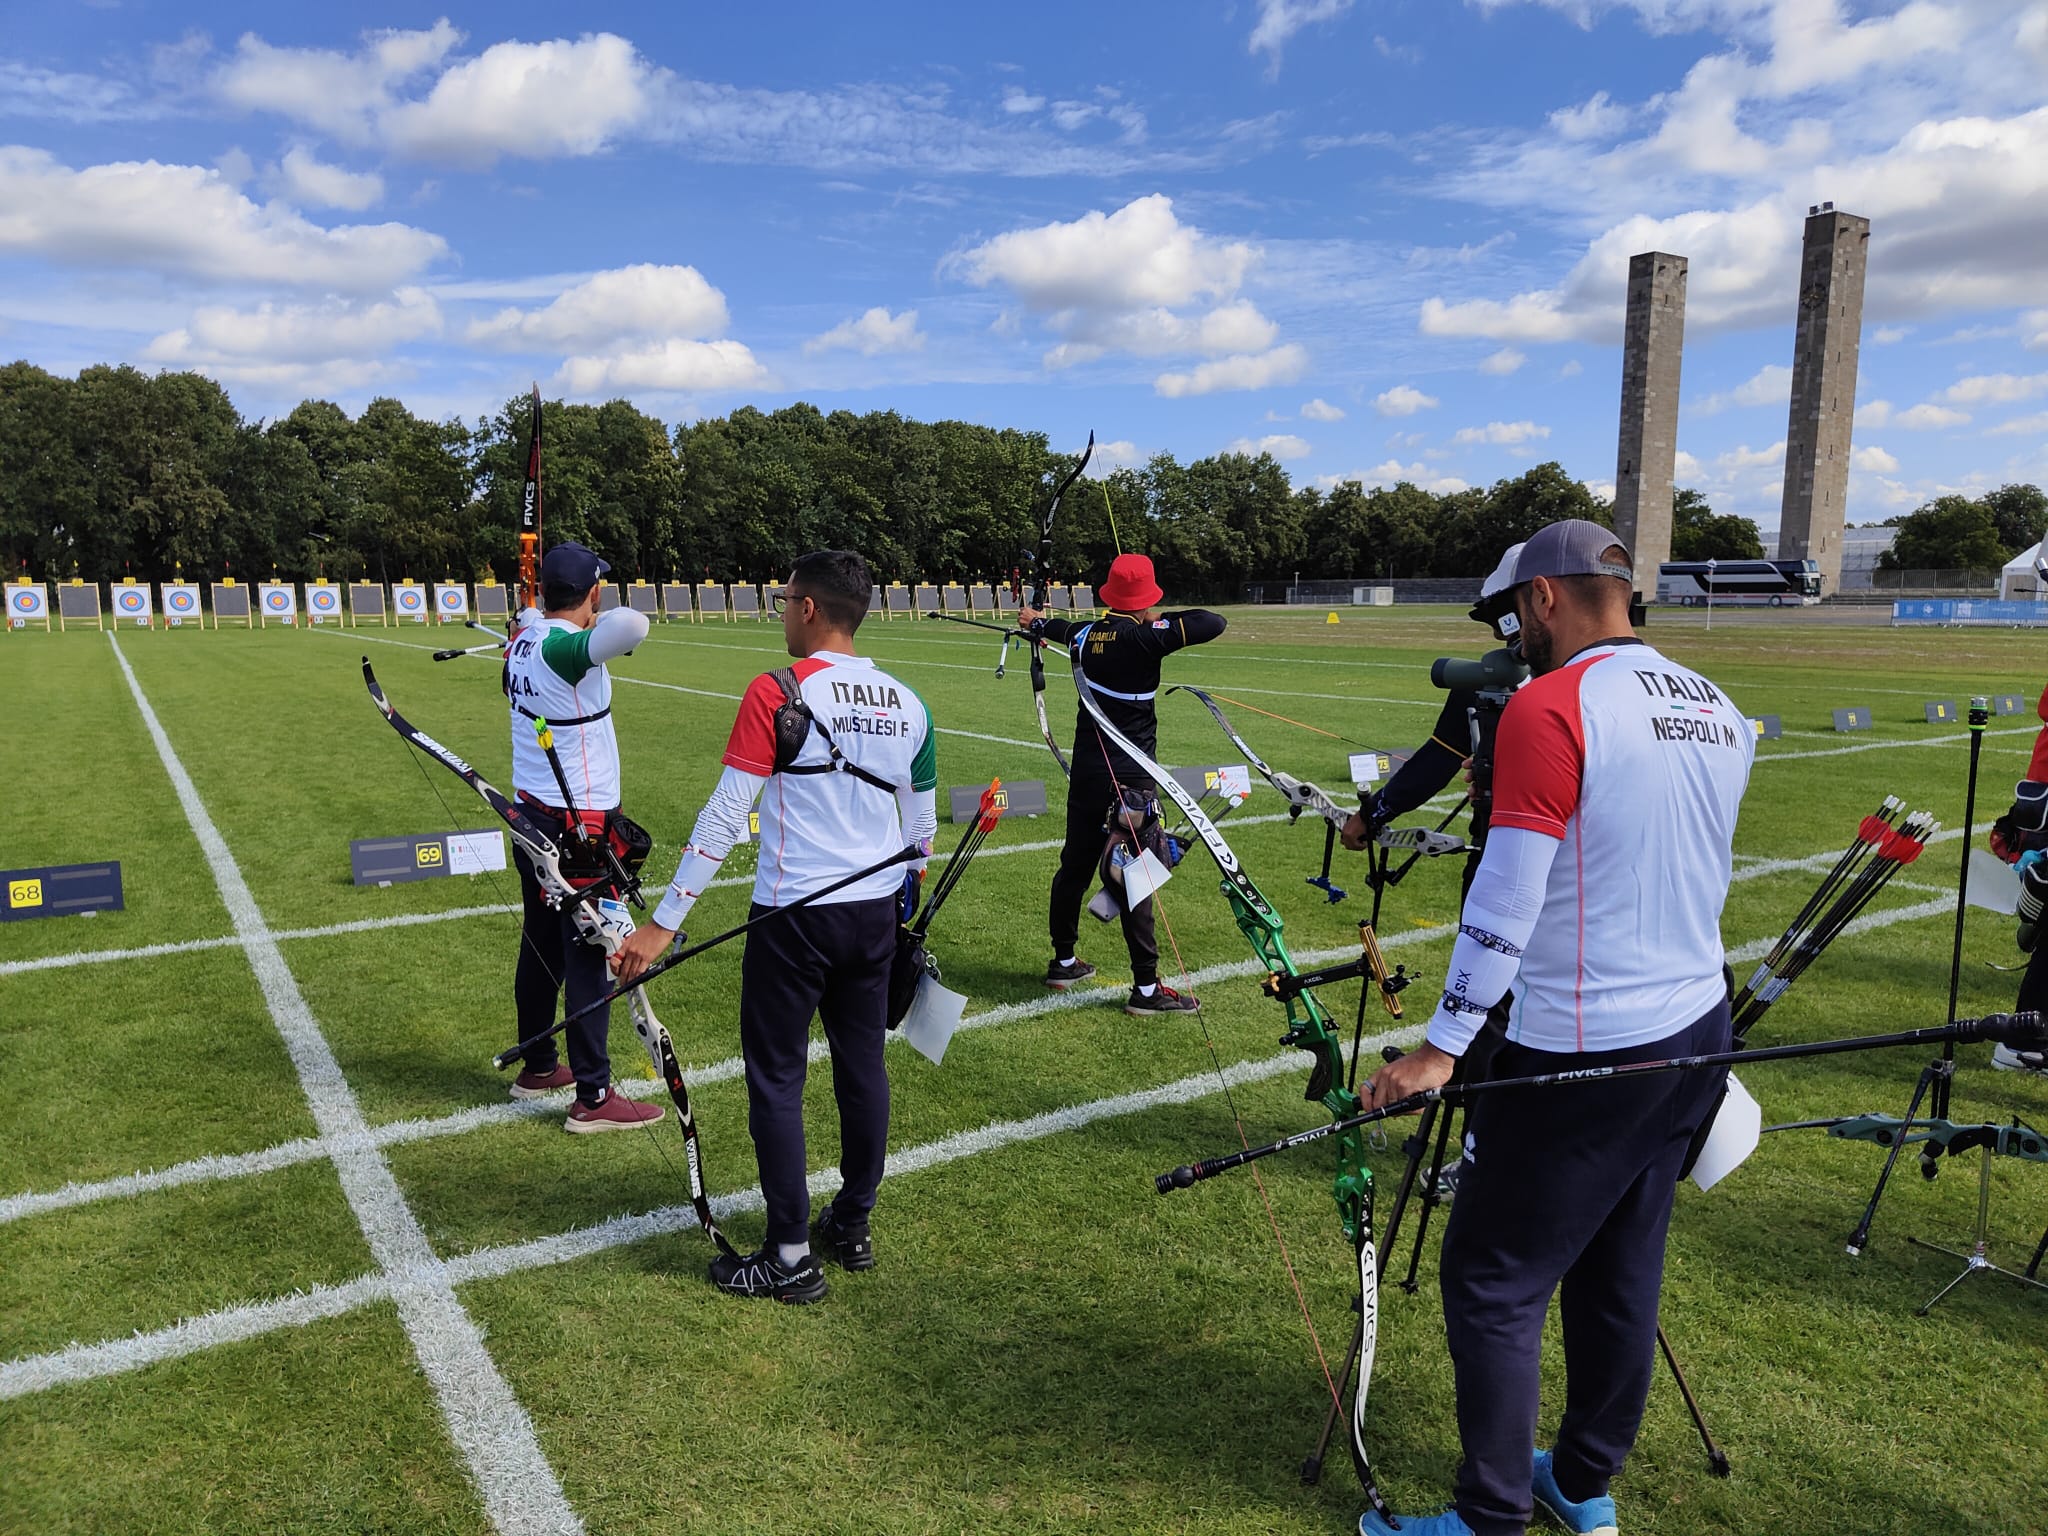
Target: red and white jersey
(819, 827)
(1637, 766)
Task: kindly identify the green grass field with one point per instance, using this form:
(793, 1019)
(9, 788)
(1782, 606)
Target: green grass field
(201, 1332)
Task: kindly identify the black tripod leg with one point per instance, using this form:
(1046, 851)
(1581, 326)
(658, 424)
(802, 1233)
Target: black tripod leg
(2033, 1269)
(1861, 1236)
(1430, 1201)
(1717, 1459)
(1414, 1146)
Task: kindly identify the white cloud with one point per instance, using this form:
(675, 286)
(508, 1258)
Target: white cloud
(300, 333)
(1403, 400)
(1745, 457)
(190, 221)
(2021, 426)
(339, 93)
(1503, 362)
(1886, 335)
(1234, 327)
(1995, 388)
(1392, 473)
(671, 366)
(1598, 117)
(1874, 459)
(1571, 370)
(1282, 365)
(636, 301)
(1320, 409)
(2034, 323)
(1502, 433)
(1873, 413)
(1928, 418)
(1282, 445)
(1138, 257)
(1281, 19)
(538, 100)
(873, 333)
(1684, 466)
(1769, 385)
(305, 179)
(1016, 100)
(1110, 457)
(1603, 490)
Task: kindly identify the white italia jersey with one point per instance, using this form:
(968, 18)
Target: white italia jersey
(549, 673)
(819, 827)
(1637, 766)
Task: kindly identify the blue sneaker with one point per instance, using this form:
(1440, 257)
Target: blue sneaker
(1595, 1517)
(1449, 1523)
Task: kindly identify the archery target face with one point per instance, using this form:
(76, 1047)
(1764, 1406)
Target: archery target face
(409, 599)
(450, 599)
(132, 602)
(277, 599)
(27, 602)
(323, 599)
(181, 601)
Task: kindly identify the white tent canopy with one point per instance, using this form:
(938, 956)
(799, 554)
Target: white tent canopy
(2020, 579)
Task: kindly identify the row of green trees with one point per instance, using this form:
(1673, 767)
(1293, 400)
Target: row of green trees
(119, 473)
(1953, 533)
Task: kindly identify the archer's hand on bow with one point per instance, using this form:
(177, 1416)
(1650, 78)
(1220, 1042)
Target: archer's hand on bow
(1364, 825)
(1420, 1070)
(1028, 615)
(641, 949)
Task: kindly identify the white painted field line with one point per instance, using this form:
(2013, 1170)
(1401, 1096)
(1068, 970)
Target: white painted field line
(82, 1362)
(1886, 746)
(85, 1362)
(423, 1128)
(230, 940)
(491, 1430)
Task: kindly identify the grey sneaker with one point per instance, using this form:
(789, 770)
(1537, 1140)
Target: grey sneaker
(1163, 1000)
(1060, 977)
(2006, 1059)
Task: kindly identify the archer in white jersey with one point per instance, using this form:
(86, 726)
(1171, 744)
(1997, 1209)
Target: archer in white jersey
(1618, 775)
(555, 671)
(841, 757)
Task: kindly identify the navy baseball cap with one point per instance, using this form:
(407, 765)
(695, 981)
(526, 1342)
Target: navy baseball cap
(1572, 547)
(571, 565)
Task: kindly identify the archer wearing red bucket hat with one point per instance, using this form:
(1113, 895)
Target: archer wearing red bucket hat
(1110, 799)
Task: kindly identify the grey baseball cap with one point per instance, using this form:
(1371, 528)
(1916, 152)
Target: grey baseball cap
(1571, 548)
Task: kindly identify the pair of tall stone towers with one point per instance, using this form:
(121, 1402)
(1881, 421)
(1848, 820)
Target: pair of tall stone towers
(1824, 356)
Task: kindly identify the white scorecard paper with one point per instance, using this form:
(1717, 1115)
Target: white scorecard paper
(471, 853)
(1994, 884)
(1143, 876)
(934, 1015)
(1738, 1127)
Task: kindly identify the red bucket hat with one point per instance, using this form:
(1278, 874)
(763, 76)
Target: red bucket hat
(1130, 586)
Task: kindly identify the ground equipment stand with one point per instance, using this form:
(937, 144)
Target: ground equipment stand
(1976, 1261)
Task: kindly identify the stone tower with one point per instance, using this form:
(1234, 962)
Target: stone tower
(1824, 353)
(1651, 344)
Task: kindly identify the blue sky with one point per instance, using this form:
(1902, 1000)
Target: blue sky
(1381, 238)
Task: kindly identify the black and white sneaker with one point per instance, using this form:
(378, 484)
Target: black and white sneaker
(1060, 977)
(763, 1274)
(2006, 1059)
(1163, 999)
(848, 1246)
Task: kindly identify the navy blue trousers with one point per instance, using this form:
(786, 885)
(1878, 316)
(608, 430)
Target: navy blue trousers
(1567, 1190)
(555, 964)
(832, 961)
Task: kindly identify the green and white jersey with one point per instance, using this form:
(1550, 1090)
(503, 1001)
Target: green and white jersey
(550, 674)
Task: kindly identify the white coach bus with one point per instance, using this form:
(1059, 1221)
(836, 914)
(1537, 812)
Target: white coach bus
(1776, 583)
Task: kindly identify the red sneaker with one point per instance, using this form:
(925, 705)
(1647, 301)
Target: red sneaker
(614, 1112)
(531, 1084)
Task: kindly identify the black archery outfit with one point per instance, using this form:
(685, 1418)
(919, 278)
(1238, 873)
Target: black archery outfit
(1121, 662)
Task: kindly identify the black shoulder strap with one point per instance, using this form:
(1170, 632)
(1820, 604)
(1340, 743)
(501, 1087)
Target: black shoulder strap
(573, 720)
(794, 721)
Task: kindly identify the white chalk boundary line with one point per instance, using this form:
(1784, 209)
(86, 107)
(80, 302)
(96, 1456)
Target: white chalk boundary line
(496, 1439)
(84, 1362)
(398, 1132)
